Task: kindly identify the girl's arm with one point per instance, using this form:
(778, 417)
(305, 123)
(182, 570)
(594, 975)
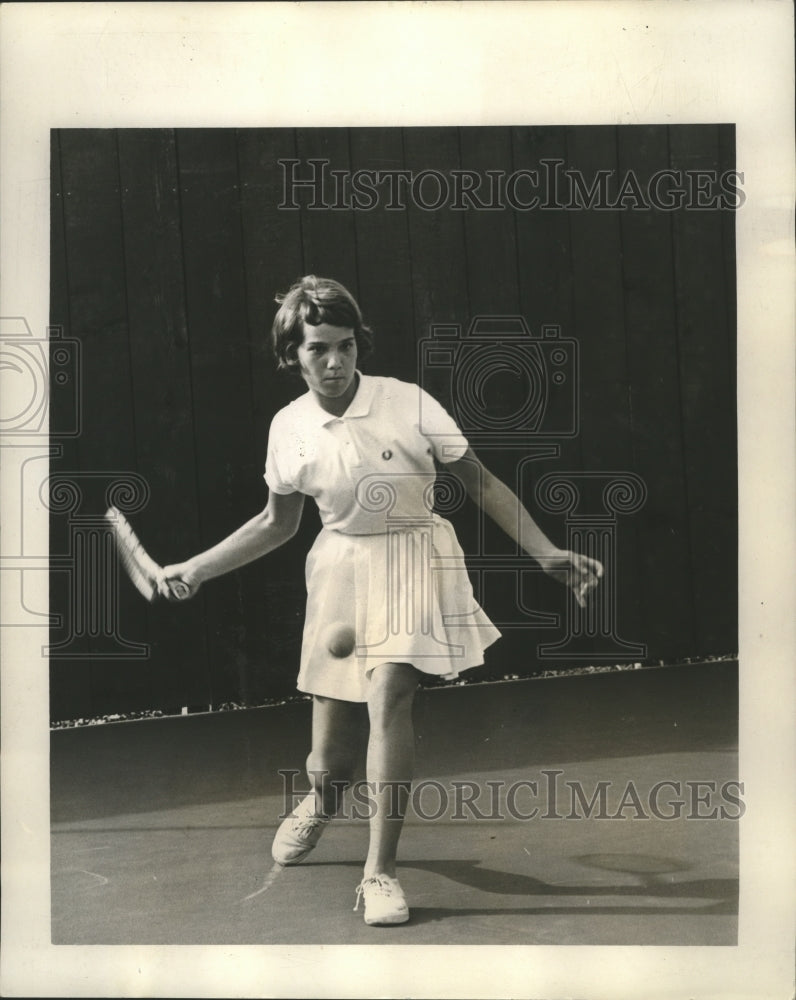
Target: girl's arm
(265, 532)
(579, 572)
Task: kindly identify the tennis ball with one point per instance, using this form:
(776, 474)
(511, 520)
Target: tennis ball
(340, 639)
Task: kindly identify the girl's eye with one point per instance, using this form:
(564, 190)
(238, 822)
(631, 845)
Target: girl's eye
(321, 348)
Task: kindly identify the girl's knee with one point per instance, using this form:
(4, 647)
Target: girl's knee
(339, 732)
(392, 691)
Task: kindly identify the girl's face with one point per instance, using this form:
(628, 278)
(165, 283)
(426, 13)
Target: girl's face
(327, 360)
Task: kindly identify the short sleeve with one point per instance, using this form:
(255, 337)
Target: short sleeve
(441, 430)
(277, 476)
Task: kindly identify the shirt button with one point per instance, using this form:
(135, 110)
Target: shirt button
(386, 455)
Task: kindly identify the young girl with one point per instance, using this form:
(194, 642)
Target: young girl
(388, 596)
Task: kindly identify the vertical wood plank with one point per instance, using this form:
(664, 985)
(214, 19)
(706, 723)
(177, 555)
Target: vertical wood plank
(439, 277)
(438, 268)
(98, 311)
(273, 260)
(98, 296)
(490, 234)
(162, 393)
(729, 637)
(494, 290)
(70, 680)
(726, 163)
(383, 263)
(708, 400)
(663, 555)
(544, 255)
(328, 234)
(492, 276)
(436, 237)
(227, 469)
(599, 316)
(543, 237)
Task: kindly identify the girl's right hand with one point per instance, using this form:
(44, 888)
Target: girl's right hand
(578, 572)
(178, 582)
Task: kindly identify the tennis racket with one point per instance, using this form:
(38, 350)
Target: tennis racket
(136, 561)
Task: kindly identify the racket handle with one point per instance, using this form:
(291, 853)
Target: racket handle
(179, 590)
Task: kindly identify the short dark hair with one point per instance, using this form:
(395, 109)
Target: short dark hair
(314, 301)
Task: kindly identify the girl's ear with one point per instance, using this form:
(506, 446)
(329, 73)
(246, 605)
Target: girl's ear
(291, 356)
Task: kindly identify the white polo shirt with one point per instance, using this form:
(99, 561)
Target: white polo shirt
(373, 465)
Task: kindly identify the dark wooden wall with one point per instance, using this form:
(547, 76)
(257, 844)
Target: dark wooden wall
(167, 250)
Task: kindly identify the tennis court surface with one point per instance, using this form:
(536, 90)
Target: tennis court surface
(161, 828)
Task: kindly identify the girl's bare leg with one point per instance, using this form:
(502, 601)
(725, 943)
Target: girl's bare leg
(390, 760)
(339, 731)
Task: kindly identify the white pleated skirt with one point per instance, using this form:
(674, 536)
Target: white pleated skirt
(408, 598)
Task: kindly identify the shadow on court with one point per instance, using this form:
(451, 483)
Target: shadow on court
(598, 809)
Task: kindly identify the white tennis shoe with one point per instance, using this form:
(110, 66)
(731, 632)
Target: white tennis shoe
(385, 902)
(299, 833)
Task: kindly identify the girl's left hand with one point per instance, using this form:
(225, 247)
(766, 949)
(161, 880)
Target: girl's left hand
(580, 573)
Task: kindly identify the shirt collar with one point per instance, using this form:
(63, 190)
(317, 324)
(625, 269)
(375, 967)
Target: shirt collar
(358, 407)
